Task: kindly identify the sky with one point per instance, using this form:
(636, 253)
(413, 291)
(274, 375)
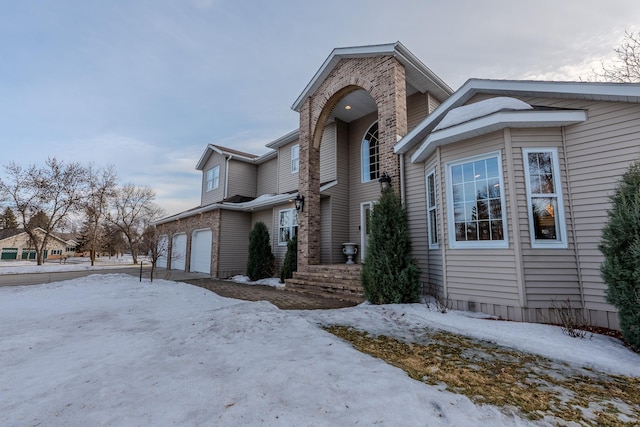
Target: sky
(110, 350)
(145, 85)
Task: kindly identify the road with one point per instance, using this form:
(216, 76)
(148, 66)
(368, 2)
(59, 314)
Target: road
(48, 277)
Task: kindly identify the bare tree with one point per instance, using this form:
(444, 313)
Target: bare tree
(626, 68)
(133, 210)
(100, 193)
(49, 193)
(154, 246)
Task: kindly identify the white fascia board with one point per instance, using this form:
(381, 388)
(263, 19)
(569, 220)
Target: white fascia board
(617, 92)
(258, 203)
(497, 121)
(336, 55)
(285, 139)
(205, 156)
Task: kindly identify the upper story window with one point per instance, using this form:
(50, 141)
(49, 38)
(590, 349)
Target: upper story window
(287, 225)
(295, 158)
(370, 155)
(432, 212)
(477, 217)
(213, 178)
(544, 198)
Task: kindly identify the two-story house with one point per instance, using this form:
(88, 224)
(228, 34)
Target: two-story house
(506, 183)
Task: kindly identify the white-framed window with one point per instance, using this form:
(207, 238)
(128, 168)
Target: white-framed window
(544, 198)
(370, 159)
(287, 225)
(432, 211)
(475, 195)
(213, 178)
(295, 158)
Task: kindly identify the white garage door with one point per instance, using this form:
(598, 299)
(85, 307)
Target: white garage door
(178, 251)
(201, 251)
(163, 245)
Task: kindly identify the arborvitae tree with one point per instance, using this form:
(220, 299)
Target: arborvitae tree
(260, 262)
(621, 248)
(290, 263)
(388, 275)
(8, 219)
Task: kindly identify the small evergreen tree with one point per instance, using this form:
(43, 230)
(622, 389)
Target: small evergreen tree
(290, 263)
(621, 249)
(388, 275)
(8, 219)
(260, 262)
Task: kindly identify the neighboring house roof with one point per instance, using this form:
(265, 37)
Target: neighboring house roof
(5, 233)
(620, 92)
(417, 74)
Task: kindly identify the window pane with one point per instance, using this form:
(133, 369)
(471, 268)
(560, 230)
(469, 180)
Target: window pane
(544, 217)
(458, 192)
(458, 212)
(481, 190)
(467, 172)
(431, 190)
(495, 209)
(484, 230)
(483, 209)
(496, 230)
(472, 231)
(479, 170)
(494, 188)
(456, 174)
(461, 234)
(492, 168)
(433, 227)
(469, 191)
(546, 183)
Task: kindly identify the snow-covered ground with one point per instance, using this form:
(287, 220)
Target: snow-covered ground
(71, 264)
(110, 350)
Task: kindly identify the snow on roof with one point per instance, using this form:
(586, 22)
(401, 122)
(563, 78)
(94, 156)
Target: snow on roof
(480, 109)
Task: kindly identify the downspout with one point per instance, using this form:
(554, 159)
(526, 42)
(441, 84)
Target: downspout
(226, 177)
(572, 222)
(402, 185)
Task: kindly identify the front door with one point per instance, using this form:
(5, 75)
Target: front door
(365, 227)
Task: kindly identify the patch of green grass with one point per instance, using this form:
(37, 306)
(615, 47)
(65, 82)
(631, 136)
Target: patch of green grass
(489, 374)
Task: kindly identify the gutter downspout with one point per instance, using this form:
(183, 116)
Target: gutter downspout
(402, 186)
(226, 177)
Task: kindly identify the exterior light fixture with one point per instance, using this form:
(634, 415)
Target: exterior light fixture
(385, 181)
(347, 107)
(299, 201)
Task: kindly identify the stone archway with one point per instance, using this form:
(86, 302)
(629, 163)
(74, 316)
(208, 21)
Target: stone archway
(383, 77)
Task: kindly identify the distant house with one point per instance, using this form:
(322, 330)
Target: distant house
(506, 183)
(15, 244)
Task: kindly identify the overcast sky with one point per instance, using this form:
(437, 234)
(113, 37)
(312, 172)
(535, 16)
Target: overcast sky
(145, 85)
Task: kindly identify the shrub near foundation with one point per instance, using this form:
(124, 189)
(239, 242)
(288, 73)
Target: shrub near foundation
(621, 249)
(260, 260)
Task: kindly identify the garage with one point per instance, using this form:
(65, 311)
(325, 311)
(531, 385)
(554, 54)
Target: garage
(201, 251)
(178, 251)
(9, 253)
(163, 246)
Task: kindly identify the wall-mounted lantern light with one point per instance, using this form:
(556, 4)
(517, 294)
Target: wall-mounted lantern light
(299, 201)
(385, 181)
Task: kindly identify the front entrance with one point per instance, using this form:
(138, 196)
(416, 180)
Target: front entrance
(365, 227)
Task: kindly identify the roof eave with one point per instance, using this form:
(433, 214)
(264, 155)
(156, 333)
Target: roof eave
(494, 122)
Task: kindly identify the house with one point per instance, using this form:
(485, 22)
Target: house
(506, 183)
(15, 244)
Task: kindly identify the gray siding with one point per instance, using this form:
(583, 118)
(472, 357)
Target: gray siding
(234, 242)
(328, 154)
(417, 109)
(326, 238)
(242, 179)
(287, 181)
(415, 203)
(267, 177)
(435, 278)
(217, 194)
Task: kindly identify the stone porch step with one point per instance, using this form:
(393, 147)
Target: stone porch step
(330, 281)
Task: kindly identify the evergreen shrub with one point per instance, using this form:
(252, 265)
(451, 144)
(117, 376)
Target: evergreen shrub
(260, 262)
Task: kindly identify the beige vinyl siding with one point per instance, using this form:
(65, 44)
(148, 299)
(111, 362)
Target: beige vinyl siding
(433, 103)
(336, 232)
(325, 237)
(242, 180)
(480, 275)
(328, 154)
(599, 151)
(217, 194)
(267, 177)
(234, 242)
(435, 265)
(417, 109)
(359, 191)
(287, 181)
(549, 274)
(266, 216)
(415, 204)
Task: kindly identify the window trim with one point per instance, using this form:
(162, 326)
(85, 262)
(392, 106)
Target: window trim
(295, 160)
(476, 244)
(365, 157)
(215, 178)
(434, 241)
(290, 226)
(561, 240)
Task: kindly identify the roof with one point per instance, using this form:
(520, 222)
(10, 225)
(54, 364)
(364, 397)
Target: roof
(5, 233)
(618, 92)
(211, 148)
(417, 74)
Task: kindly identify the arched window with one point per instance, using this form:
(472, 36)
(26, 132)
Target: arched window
(369, 158)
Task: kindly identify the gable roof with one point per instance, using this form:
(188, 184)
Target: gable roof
(417, 74)
(620, 92)
(5, 233)
(211, 148)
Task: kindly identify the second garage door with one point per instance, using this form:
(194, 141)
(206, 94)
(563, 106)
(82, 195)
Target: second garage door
(201, 251)
(178, 251)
